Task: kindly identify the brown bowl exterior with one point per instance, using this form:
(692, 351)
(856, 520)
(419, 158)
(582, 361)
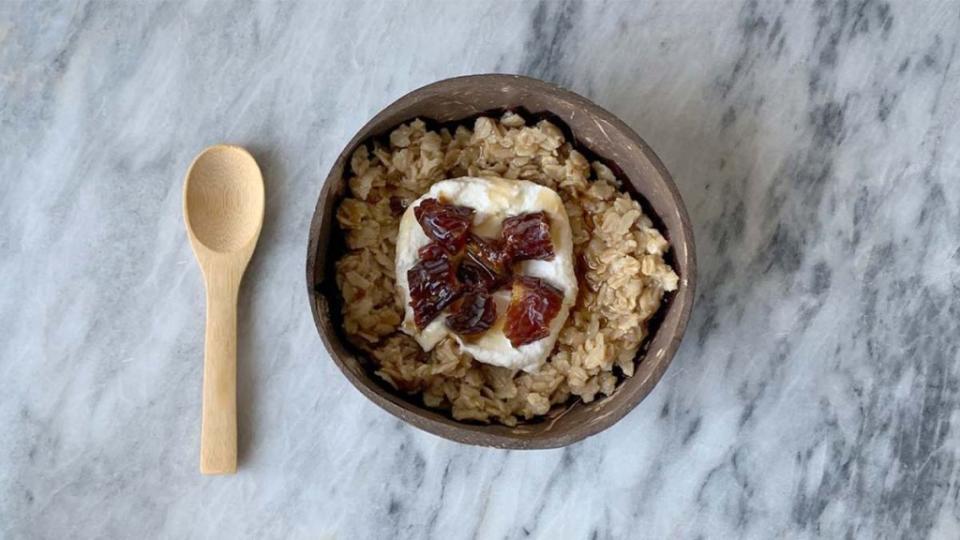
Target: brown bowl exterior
(601, 133)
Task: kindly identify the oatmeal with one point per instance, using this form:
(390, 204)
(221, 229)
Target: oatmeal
(622, 275)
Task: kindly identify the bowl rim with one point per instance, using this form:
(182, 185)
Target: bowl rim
(444, 426)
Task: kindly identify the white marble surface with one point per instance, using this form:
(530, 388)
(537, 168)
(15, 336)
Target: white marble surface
(817, 146)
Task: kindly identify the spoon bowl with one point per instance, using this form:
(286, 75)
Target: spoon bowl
(223, 200)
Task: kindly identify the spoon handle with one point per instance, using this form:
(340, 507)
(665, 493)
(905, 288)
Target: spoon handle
(218, 437)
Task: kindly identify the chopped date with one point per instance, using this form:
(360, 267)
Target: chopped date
(474, 312)
(485, 263)
(432, 251)
(488, 252)
(460, 270)
(527, 236)
(533, 305)
(445, 223)
(433, 286)
(475, 275)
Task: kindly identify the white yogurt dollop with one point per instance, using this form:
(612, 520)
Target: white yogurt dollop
(494, 199)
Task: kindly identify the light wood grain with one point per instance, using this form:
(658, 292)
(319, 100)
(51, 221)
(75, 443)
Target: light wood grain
(223, 201)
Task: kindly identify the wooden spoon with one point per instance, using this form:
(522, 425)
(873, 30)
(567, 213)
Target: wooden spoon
(223, 209)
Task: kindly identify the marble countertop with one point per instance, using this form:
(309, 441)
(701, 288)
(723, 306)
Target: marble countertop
(817, 147)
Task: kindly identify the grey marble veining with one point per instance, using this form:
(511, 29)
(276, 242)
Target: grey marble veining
(816, 394)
